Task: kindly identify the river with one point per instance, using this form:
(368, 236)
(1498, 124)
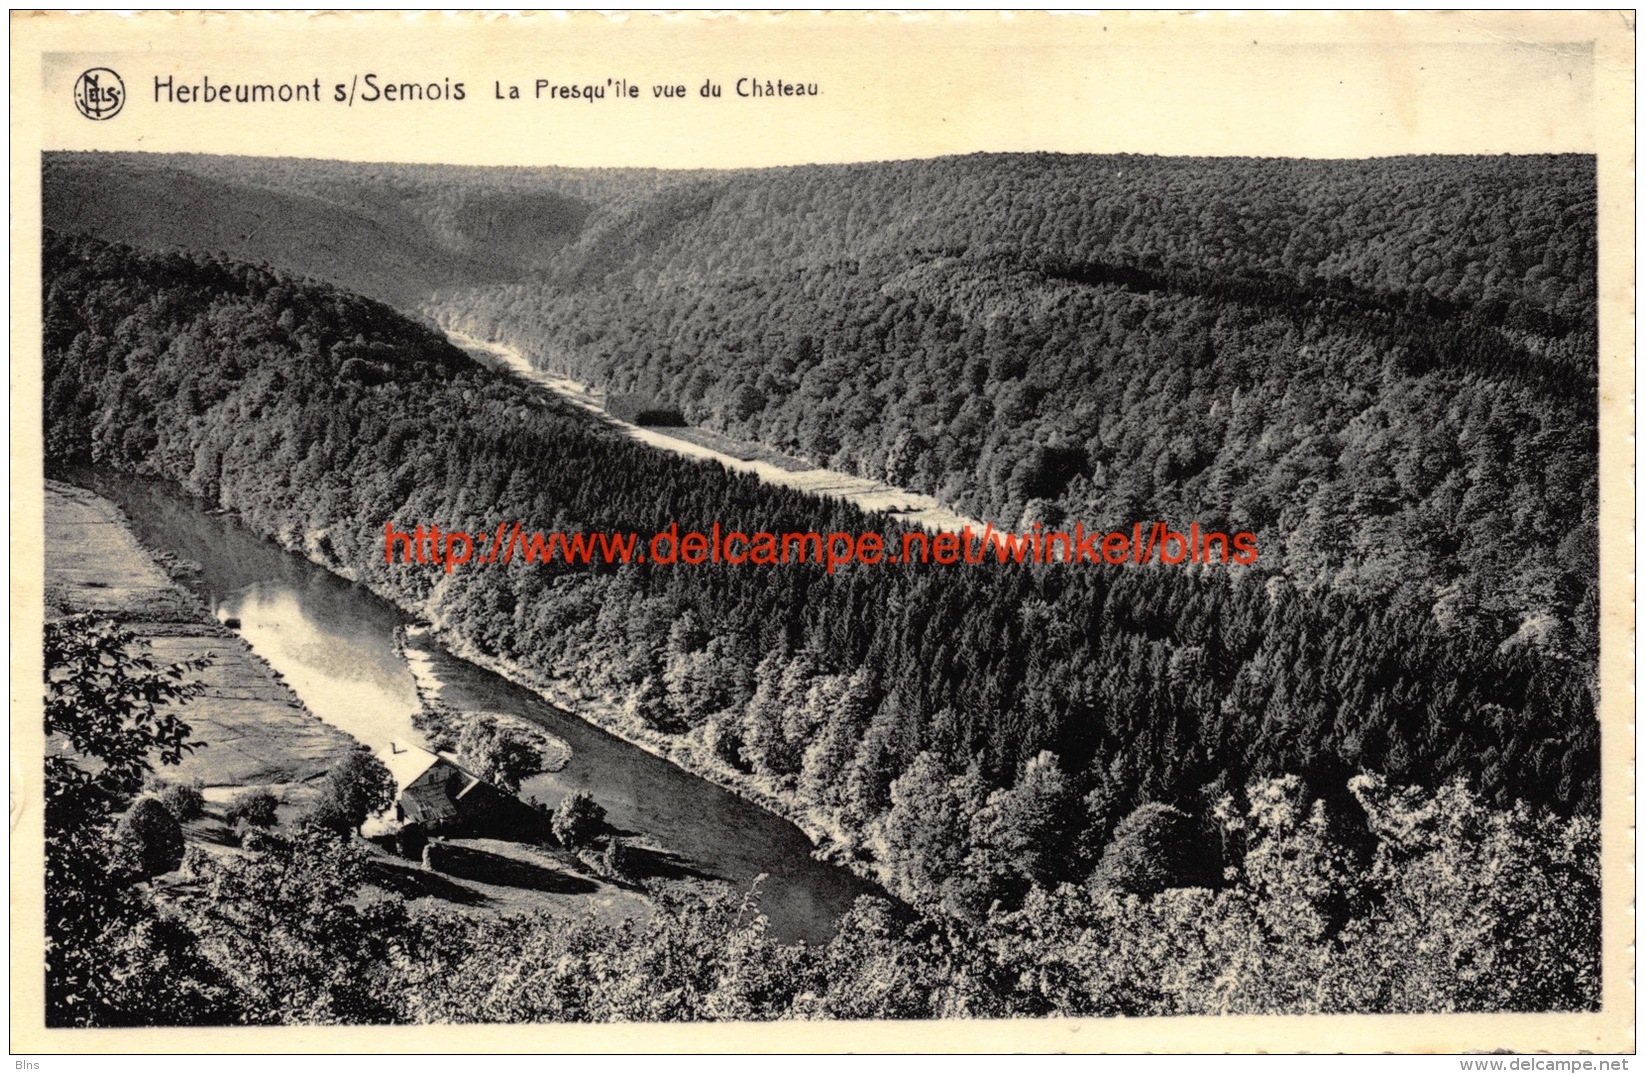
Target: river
(334, 641)
(905, 505)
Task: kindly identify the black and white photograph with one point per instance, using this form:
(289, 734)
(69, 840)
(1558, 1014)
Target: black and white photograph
(1045, 522)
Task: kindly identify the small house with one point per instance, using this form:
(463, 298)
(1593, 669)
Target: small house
(435, 792)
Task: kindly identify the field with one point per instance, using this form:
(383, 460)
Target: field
(257, 732)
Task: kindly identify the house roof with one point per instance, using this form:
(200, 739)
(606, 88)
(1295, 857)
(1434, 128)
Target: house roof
(406, 763)
(428, 805)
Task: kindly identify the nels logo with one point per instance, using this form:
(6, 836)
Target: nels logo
(99, 93)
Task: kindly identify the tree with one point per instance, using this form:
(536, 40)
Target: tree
(149, 839)
(112, 704)
(1479, 909)
(577, 819)
(1031, 825)
(874, 967)
(648, 700)
(928, 830)
(357, 787)
(155, 974)
(498, 752)
(1155, 848)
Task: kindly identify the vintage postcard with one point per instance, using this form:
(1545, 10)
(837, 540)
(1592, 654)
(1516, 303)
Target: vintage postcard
(817, 532)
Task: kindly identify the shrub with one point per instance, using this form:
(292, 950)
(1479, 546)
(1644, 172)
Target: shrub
(185, 801)
(255, 839)
(255, 806)
(148, 839)
(327, 814)
(618, 860)
(411, 841)
(577, 819)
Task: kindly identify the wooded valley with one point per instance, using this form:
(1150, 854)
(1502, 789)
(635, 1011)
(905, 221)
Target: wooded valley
(1387, 369)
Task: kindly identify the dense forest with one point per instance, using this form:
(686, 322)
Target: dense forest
(1387, 369)
(917, 716)
(1090, 789)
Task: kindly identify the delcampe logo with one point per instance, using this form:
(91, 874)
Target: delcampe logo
(99, 93)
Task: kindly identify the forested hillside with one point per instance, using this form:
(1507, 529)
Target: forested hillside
(1104, 790)
(1385, 368)
(396, 233)
(971, 732)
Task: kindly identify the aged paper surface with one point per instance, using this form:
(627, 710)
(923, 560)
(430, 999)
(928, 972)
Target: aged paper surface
(892, 87)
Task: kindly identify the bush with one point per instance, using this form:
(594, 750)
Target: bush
(618, 860)
(185, 801)
(327, 814)
(577, 819)
(255, 806)
(411, 841)
(148, 839)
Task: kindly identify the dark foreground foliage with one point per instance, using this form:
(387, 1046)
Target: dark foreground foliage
(1457, 908)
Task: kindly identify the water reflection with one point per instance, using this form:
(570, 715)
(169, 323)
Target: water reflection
(352, 680)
